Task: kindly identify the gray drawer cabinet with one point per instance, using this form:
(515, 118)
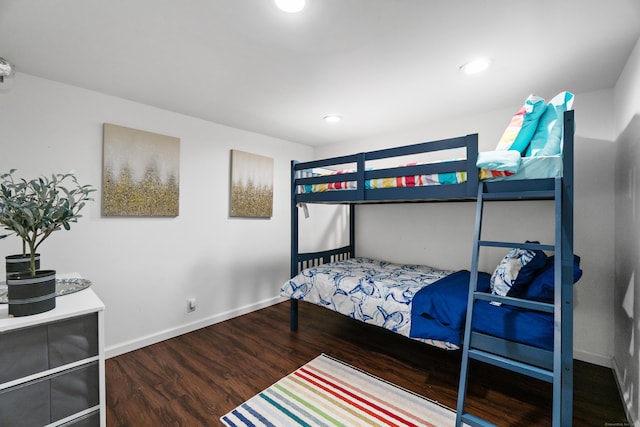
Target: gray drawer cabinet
(52, 365)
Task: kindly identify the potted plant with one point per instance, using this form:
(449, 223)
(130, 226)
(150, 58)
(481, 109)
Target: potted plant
(33, 210)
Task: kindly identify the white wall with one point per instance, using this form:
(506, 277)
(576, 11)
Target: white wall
(627, 232)
(627, 91)
(441, 234)
(144, 269)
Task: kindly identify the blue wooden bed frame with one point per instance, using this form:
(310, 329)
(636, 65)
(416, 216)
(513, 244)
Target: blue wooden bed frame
(464, 191)
(560, 361)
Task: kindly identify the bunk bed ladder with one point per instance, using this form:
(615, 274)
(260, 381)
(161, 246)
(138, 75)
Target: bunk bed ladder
(556, 366)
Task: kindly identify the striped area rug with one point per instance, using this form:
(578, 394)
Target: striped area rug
(328, 392)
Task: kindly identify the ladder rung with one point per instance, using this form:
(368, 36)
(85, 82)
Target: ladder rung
(512, 365)
(513, 350)
(520, 195)
(533, 246)
(515, 302)
(474, 421)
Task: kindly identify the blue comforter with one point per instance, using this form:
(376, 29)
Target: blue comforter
(439, 312)
(420, 301)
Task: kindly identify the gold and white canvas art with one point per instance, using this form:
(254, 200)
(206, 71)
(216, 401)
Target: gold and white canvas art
(251, 185)
(141, 173)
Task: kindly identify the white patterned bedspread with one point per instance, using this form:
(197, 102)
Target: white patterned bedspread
(376, 292)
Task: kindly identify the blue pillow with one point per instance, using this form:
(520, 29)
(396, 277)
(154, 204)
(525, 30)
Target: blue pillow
(507, 273)
(547, 139)
(527, 273)
(540, 137)
(542, 286)
(534, 107)
(522, 126)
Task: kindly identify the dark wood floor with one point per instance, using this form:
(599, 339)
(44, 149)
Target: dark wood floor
(193, 379)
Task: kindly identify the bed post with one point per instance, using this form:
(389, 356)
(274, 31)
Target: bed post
(293, 310)
(472, 170)
(352, 230)
(563, 413)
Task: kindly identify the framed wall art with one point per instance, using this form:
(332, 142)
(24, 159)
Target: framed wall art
(251, 192)
(141, 173)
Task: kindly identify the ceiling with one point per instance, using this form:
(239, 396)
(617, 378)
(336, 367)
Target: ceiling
(384, 65)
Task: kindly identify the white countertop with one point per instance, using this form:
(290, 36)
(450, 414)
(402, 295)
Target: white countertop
(75, 304)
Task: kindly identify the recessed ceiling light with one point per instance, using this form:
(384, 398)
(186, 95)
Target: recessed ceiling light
(290, 6)
(332, 118)
(476, 66)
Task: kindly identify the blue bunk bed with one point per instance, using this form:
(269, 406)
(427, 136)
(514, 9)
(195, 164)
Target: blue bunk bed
(351, 180)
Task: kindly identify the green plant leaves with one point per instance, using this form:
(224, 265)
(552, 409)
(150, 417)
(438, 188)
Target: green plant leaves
(34, 209)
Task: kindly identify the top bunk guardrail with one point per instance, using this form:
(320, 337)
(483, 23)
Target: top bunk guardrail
(327, 181)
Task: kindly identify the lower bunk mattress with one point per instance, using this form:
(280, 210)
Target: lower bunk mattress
(417, 301)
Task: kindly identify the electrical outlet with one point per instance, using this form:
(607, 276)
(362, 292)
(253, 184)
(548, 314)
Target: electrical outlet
(191, 305)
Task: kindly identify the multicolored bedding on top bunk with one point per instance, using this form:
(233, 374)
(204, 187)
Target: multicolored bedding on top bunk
(429, 304)
(530, 148)
(390, 182)
(531, 145)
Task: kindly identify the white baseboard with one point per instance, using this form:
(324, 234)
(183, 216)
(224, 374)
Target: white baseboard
(617, 375)
(128, 346)
(596, 359)
(202, 323)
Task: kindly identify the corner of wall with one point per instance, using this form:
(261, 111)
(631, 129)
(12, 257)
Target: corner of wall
(627, 91)
(618, 376)
(626, 307)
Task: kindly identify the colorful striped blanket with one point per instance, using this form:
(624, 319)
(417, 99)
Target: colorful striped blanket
(390, 182)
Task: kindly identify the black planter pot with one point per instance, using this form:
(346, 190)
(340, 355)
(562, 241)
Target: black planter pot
(19, 263)
(29, 294)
